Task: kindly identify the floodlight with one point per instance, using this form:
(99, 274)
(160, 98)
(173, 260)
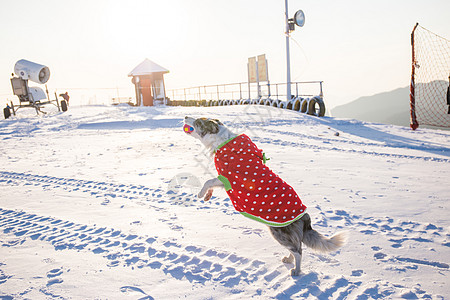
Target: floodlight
(299, 18)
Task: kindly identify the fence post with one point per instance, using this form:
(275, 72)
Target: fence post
(412, 99)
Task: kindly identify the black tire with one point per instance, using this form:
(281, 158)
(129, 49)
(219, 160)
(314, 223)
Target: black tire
(304, 106)
(297, 105)
(7, 112)
(318, 111)
(63, 105)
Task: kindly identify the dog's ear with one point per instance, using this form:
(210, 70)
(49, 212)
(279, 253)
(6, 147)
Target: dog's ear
(218, 122)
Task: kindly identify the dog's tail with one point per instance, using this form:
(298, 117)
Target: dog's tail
(320, 243)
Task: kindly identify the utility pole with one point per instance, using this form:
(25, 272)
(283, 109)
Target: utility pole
(288, 59)
(299, 20)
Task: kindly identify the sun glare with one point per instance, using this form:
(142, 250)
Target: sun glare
(143, 27)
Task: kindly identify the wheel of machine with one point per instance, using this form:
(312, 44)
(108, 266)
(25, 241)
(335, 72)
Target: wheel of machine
(63, 105)
(316, 111)
(7, 112)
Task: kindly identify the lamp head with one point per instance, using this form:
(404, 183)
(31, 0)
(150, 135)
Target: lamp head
(299, 18)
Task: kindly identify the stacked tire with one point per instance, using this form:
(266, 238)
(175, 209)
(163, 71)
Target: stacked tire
(312, 106)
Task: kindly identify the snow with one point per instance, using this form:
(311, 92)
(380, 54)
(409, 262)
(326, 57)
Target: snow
(100, 203)
(147, 67)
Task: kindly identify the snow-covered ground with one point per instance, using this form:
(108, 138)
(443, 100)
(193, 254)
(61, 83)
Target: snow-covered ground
(100, 203)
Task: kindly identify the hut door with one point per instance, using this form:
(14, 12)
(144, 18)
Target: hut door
(147, 97)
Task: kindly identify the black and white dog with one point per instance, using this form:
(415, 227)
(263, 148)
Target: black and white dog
(257, 192)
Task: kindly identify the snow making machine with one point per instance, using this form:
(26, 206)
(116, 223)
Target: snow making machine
(34, 97)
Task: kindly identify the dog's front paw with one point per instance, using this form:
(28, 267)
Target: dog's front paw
(208, 195)
(202, 192)
(294, 272)
(205, 189)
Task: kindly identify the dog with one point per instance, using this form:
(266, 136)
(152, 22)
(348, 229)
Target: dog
(258, 193)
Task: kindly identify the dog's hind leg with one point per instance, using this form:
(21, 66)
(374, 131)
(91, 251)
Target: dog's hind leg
(298, 261)
(291, 237)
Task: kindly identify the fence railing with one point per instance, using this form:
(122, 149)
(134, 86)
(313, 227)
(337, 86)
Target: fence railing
(244, 90)
(307, 96)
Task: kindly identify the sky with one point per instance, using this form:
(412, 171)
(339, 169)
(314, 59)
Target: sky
(356, 47)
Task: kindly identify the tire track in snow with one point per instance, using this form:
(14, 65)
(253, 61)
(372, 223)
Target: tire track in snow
(98, 189)
(198, 264)
(279, 142)
(389, 141)
(193, 263)
(400, 234)
(414, 145)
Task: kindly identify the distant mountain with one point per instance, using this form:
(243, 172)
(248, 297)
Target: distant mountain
(387, 108)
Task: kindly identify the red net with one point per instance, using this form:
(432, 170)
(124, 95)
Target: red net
(430, 99)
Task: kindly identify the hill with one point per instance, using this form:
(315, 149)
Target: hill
(387, 108)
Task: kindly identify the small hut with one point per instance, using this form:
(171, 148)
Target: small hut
(148, 79)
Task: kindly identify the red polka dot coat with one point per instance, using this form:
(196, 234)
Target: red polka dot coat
(255, 190)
